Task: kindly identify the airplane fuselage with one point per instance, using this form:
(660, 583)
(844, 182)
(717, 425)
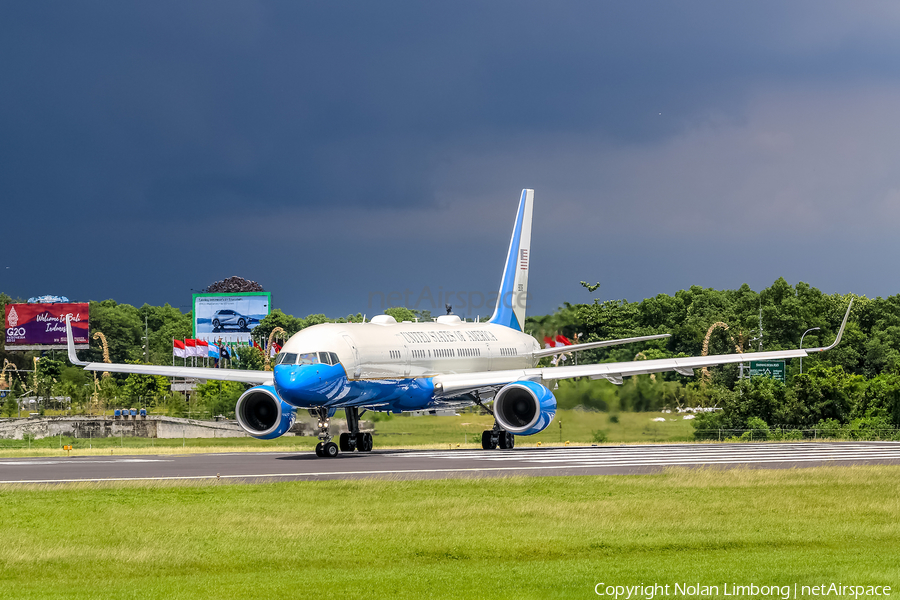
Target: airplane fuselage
(391, 364)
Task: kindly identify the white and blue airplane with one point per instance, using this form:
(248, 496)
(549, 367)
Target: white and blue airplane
(384, 365)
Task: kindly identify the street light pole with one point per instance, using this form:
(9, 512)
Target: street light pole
(801, 345)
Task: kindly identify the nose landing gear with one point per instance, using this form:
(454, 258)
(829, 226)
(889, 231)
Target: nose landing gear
(325, 448)
(347, 442)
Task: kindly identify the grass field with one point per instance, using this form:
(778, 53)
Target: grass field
(541, 537)
(398, 432)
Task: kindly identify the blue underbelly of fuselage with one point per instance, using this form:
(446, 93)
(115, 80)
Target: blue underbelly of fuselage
(319, 385)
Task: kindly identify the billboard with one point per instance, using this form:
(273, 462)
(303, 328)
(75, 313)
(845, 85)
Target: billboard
(43, 326)
(229, 317)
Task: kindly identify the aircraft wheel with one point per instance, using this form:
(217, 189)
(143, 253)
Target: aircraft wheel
(319, 449)
(487, 440)
(344, 443)
(366, 443)
(330, 450)
(506, 440)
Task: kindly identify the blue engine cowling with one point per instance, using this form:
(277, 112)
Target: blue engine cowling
(262, 414)
(524, 407)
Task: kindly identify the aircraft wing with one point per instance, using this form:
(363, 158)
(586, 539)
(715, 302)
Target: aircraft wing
(603, 344)
(244, 376)
(462, 383)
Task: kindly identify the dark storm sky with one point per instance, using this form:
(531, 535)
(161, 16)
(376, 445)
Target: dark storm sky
(337, 152)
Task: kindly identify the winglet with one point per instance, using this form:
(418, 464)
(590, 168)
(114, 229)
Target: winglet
(70, 342)
(837, 340)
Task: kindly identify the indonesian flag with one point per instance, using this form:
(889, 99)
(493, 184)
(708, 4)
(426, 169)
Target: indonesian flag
(178, 348)
(559, 341)
(190, 348)
(563, 341)
(201, 349)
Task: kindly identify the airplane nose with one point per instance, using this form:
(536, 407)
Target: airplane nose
(296, 376)
(304, 384)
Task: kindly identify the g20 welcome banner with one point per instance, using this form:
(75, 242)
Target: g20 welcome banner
(43, 326)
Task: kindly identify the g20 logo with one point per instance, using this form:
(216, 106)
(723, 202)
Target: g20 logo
(15, 333)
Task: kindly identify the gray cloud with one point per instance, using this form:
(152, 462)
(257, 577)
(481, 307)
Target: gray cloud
(330, 149)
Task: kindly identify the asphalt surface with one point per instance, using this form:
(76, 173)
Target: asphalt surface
(431, 464)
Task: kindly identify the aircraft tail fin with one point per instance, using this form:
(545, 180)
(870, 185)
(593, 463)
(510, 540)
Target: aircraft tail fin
(513, 295)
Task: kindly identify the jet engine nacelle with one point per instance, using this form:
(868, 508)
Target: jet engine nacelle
(263, 414)
(524, 407)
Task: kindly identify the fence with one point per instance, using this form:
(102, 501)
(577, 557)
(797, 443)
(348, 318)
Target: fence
(789, 434)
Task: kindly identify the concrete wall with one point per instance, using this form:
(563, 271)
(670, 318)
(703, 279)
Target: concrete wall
(98, 427)
(148, 427)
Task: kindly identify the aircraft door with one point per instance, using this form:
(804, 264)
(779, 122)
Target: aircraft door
(357, 367)
(407, 357)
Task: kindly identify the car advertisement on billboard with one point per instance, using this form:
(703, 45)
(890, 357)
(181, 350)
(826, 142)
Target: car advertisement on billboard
(43, 326)
(229, 317)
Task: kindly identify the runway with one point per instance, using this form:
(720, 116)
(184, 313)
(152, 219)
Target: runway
(602, 460)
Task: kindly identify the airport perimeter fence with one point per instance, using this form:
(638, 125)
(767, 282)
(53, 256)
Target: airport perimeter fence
(779, 434)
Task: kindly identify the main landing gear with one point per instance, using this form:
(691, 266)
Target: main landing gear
(347, 442)
(497, 437)
(355, 440)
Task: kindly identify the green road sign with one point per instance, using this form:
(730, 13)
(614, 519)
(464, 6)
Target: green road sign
(767, 368)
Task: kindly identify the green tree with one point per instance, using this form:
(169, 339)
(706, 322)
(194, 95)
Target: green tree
(165, 323)
(144, 389)
(826, 392)
(220, 397)
(881, 399)
(10, 405)
(401, 314)
(251, 358)
(123, 326)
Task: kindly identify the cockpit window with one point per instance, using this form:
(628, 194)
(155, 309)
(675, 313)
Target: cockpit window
(286, 358)
(308, 358)
(334, 358)
(324, 358)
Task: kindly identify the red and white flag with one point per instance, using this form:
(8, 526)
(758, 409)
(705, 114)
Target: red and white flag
(559, 341)
(178, 348)
(202, 349)
(190, 348)
(563, 341)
